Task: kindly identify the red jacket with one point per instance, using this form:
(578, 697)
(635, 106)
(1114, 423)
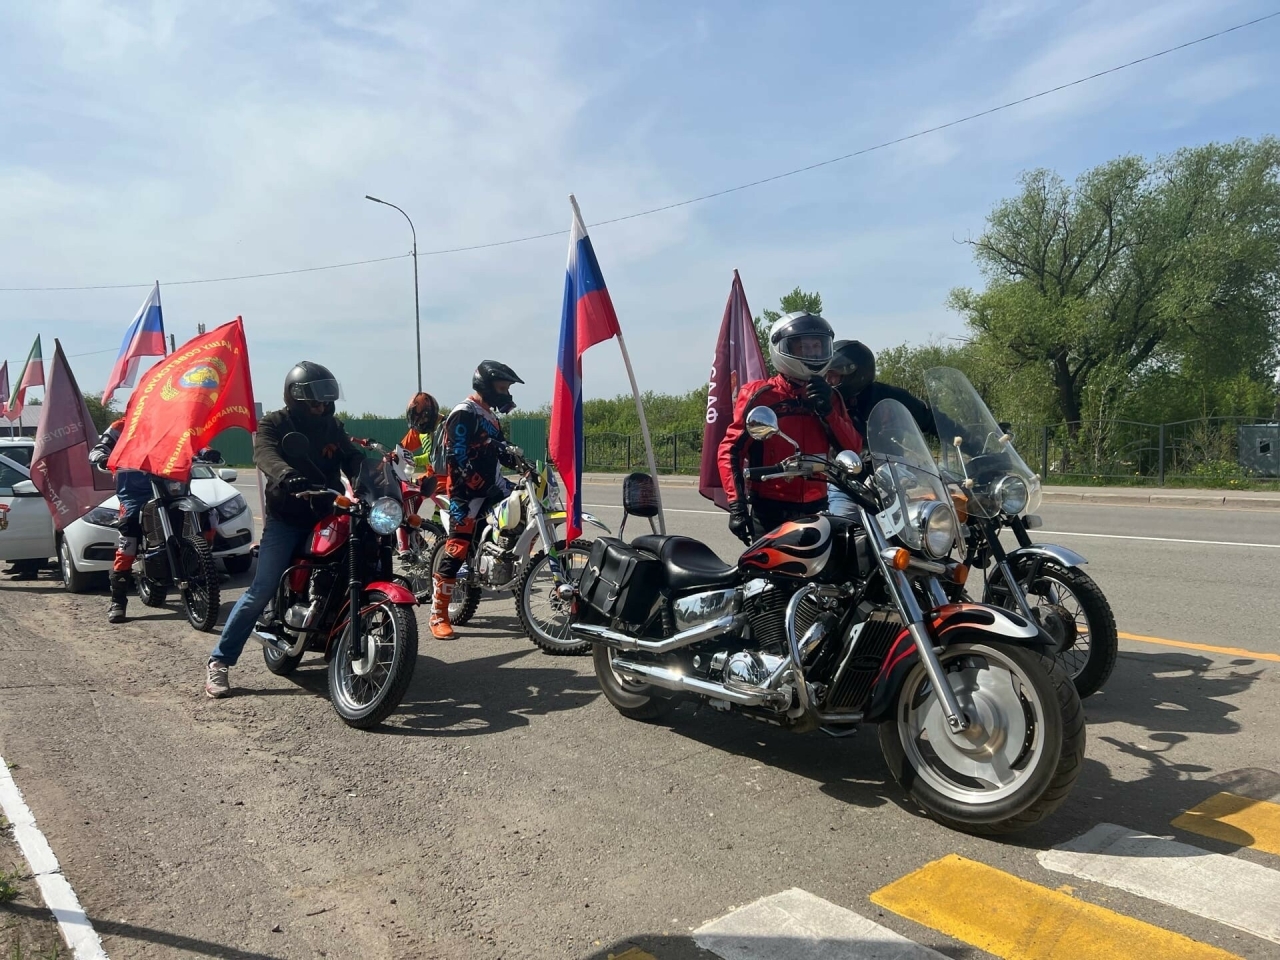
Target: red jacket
(798, 421)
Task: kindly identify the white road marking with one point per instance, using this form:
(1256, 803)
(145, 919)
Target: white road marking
(796, 925)
(1239, 893)
(1120, 536)
(58, 895)
(705, 513)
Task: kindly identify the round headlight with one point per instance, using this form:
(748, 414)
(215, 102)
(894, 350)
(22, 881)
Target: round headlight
(937, 528)
(1011, 494)
(385, 516)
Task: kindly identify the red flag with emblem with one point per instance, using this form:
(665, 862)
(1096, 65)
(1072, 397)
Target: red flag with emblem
(199, 390)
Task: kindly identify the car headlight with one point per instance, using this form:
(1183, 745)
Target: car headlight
(937, 526)
(231, 508)
(1011, 494)
(102, 517)
(385, 516)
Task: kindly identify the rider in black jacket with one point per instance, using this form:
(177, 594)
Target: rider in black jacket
(853, 374)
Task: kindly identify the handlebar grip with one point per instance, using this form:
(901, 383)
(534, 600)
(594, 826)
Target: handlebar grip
(759, 473)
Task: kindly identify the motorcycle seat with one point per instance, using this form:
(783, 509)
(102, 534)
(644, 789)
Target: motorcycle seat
(688, 562)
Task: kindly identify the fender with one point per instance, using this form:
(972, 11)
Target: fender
(1049, 551)
(529, 539)
(559, 516)
(396, 592)
(954, 623)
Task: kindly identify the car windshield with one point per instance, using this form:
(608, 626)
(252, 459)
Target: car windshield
(201, 471)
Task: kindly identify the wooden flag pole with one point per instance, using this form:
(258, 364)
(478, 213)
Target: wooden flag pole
(644, 430)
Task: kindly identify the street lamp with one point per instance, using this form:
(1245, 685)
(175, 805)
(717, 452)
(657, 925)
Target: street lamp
(417, 319)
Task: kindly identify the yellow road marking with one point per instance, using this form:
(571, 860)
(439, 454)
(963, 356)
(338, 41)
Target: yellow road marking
(1239, 820)
(1017, 920)
(1207, 648)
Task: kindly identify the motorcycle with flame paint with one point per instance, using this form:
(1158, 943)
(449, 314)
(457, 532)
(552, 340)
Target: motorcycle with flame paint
(830, 622)
(345, 565)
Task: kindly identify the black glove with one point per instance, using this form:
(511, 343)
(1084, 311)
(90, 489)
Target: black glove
(294, 483)
(818, 392)
(740, 523)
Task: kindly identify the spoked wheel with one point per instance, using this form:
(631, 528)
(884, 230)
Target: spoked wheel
(364, 691)
(201, 596)
(279, 663)
(544, 616)
(466, 596)
(1019, 757)
(151, 594)
(632, 699)
(417, 567)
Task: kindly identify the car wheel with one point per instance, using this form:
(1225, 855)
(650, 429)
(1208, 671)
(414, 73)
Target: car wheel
(72, 579)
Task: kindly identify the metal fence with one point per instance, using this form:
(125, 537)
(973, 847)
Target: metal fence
(618, 453)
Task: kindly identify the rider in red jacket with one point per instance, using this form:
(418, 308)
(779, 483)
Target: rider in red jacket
(808, 411)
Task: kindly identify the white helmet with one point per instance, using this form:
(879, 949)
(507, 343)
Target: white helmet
(800, 345)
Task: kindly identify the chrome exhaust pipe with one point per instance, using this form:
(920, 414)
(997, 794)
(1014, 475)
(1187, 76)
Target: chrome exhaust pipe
(275, 643)
(621, 641)
(673, 680)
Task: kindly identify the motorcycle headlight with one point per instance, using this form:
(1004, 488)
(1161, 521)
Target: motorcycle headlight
(937, 526)
(1011, 495)
(385, 516)
(175, 488)
(231, 508)
(102, 517)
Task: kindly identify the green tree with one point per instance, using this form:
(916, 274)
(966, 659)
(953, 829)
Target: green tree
(103, 415)
(794, 302)
(1138, 270)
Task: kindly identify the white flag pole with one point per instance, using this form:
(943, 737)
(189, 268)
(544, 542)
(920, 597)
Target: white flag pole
(635, 392)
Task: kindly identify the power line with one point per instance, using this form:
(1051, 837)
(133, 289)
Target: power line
(702, 197)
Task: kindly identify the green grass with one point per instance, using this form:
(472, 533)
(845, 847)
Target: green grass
(1170, 482)
(9, 886)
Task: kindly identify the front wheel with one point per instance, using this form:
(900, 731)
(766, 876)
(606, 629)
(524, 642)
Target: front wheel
(1072, 607)
(544, 616)
(364, 691)
(1020, 756)
(201, 596)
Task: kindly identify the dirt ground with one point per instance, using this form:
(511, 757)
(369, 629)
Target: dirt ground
(27, 928)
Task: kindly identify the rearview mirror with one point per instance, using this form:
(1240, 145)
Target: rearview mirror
(25, 488)
(296, 445)
(762, 423)
(228, 475)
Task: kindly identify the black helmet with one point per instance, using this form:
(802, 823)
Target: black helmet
(800, 345)
(489, 373)
(308, 383)
(423, 413)
(856, 365)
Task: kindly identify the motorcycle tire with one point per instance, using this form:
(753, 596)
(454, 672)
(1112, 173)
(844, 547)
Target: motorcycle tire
(1051, 751)
(345, 685)
(151, 594)
(533, 629)
(466, 596)
(201, 598)
(281, 664)
(1089, 666)
(632, 700)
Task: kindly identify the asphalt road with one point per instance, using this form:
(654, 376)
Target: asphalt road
(507, 811)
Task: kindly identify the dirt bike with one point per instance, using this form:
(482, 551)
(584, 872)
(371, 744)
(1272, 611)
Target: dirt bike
(175, 552)
(510, 552)
(1041, 581)
(829, 622)
(345, 565)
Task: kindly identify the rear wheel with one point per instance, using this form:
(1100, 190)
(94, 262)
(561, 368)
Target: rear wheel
(634, 700)
(365, 691)
(544, 616)
(466, 596)
(1018, 760)
(201, 596)
(281, 664)
(417, 565)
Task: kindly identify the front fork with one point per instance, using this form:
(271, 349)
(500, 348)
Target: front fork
(544, 531)
(353, 594)
(991, 535)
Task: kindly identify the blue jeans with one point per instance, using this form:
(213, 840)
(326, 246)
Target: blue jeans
(840, 503)
(279, 545)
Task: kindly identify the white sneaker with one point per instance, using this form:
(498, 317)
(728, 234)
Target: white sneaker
(216, 684)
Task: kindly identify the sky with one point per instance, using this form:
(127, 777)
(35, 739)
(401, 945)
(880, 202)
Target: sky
(178, 140)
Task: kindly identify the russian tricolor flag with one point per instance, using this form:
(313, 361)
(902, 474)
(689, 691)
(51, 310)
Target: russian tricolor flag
(586, 319)
(144, 338)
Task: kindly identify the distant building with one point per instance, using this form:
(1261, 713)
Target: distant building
(24, 426)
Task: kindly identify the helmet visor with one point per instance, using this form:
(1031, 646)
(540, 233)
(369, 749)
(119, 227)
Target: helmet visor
(317, 391)
(809, 346)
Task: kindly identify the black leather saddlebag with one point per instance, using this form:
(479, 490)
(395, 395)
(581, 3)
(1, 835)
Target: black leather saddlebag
(620, 582)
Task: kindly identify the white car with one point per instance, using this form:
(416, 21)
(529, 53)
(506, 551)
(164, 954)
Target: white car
(88, 546)
(26, 529)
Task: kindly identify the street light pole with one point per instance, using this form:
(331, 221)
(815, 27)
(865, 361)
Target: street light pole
(417, 318)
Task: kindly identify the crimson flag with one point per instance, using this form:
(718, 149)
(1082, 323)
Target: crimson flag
(738, 361)
(60, 466)
(199, 390)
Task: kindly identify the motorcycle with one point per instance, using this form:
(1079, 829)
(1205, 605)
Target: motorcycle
(419, 532)
(829, 622)
(515, 548)
(175, 551)
(1041, 581)
(345, 565)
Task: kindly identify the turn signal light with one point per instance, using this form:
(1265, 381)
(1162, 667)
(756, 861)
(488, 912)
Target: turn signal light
(961, 504)
(341, 501)
(960, 573)
(901, 559)
(414, 520)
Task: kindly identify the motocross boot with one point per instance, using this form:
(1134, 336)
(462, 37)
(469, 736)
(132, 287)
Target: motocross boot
(119, 596)
(441, 628)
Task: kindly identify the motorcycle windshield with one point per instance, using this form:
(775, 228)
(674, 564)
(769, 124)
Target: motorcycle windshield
(974, 448)
(904, 470)
(378, 479)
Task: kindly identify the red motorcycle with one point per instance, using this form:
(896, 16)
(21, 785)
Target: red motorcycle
(345, 565)
(420, 531)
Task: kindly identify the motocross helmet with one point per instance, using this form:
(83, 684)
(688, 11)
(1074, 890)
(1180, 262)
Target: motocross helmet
(484, 381)
(855, 364)
(422, 414)
(800, 346)
(307, 383)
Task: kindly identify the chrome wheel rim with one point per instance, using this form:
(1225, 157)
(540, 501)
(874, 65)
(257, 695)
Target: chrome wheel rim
(548, 614)
(1059, 600)
(64, 555)
(361, 683)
